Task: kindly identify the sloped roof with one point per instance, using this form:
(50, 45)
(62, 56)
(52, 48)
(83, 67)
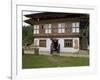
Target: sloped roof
(54, 15)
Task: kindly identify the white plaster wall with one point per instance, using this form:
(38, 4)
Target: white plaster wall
(36, 42)
(61, 42)
(48, 41)
(74, 43)
(68, 49)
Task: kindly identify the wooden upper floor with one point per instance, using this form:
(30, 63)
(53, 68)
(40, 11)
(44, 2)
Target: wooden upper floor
(56, 29)
(52, 24)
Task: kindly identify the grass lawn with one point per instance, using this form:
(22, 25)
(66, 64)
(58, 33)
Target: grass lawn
(44, 61)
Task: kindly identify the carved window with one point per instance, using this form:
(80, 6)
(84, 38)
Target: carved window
(36, 29)
(75, 27)
(42, 43)
(68, 43)
(47, 28)
(61, 28)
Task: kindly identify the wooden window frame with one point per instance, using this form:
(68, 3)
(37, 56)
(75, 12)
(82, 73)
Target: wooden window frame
(48, 29)
(41, 44)
(69, 43)
(61, 29)
(36, 29)
(75, 28)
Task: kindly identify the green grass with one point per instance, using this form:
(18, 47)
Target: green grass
(44, 61)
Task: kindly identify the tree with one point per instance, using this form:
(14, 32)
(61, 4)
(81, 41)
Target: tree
(84, 35)
(84, 31)
(27, 35)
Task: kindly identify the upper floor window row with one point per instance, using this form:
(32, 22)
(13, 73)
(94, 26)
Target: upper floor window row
(61, 27)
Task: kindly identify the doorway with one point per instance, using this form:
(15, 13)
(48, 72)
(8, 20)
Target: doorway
(55, 46)
(55, 42)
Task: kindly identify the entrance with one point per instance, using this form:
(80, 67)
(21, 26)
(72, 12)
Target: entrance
(55, 42)
(55, 46)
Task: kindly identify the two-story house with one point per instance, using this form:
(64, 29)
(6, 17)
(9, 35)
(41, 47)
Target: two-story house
(64, 27)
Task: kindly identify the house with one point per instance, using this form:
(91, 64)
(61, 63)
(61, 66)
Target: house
(64, 28)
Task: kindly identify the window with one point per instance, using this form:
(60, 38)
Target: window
(61, 27)
(75, 27)
(47, 28)
(42, 43)
(68, 43)
(68, 28)
(36, 29)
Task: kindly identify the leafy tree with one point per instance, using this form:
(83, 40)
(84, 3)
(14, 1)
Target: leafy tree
(84, 31)
(27, 35)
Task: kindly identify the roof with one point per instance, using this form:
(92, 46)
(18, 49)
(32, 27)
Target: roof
(53, 15)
